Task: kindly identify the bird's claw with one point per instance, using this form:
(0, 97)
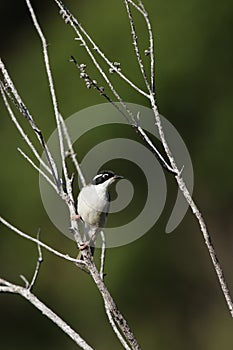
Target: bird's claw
(84, 245)
(76, 217)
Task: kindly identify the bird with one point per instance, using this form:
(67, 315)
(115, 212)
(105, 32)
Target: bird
(93, 205)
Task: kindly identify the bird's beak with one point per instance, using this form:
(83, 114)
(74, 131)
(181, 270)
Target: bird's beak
(118, 177)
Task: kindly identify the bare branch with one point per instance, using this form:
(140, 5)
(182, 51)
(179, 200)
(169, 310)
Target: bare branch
(8, 287)
(92, 83)
(24, 279)
(38, 264)
(21, 131)
(136, 47)
(70, 151)
(38, 169)
(114, 327)
(134, 124)
(154, 150)
(142, 10)
(203, 227)
(51, 87)
(209, 244)
(69, 18)
(109, 302)
(16, 99)
(24, 235)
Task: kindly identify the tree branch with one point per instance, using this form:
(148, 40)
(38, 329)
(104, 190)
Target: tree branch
(38, 264)
(136, 47)
(7, 287)
(16, 99)
(51, 250)
(71, 152)
(38, 169)
(21, 131)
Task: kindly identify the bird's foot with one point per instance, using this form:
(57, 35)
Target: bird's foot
(76, 217)
(84, 245)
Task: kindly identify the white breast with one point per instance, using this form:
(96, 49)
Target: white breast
(93, 205)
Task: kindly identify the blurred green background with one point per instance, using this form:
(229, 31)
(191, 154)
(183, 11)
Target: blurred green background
(168, 293)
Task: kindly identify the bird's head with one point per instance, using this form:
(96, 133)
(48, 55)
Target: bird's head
(105, 178)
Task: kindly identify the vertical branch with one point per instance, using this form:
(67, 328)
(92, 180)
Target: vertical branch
(144, 13)
(51, 87)
(38, 264)
(71, 152)
(151, 40)
(136, 47)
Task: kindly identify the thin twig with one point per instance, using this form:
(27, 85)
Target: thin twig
(116, 330)
(136, 47)
(154, 150)
(24, 279)
(92, 83)
(71, 152)
(134, 124)
(143, 11)
(51, 87)
(16, 99)
(69, 18)
(38, 264)
(38, 169)
(21, 131)
(8, 287)
(24, 235)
